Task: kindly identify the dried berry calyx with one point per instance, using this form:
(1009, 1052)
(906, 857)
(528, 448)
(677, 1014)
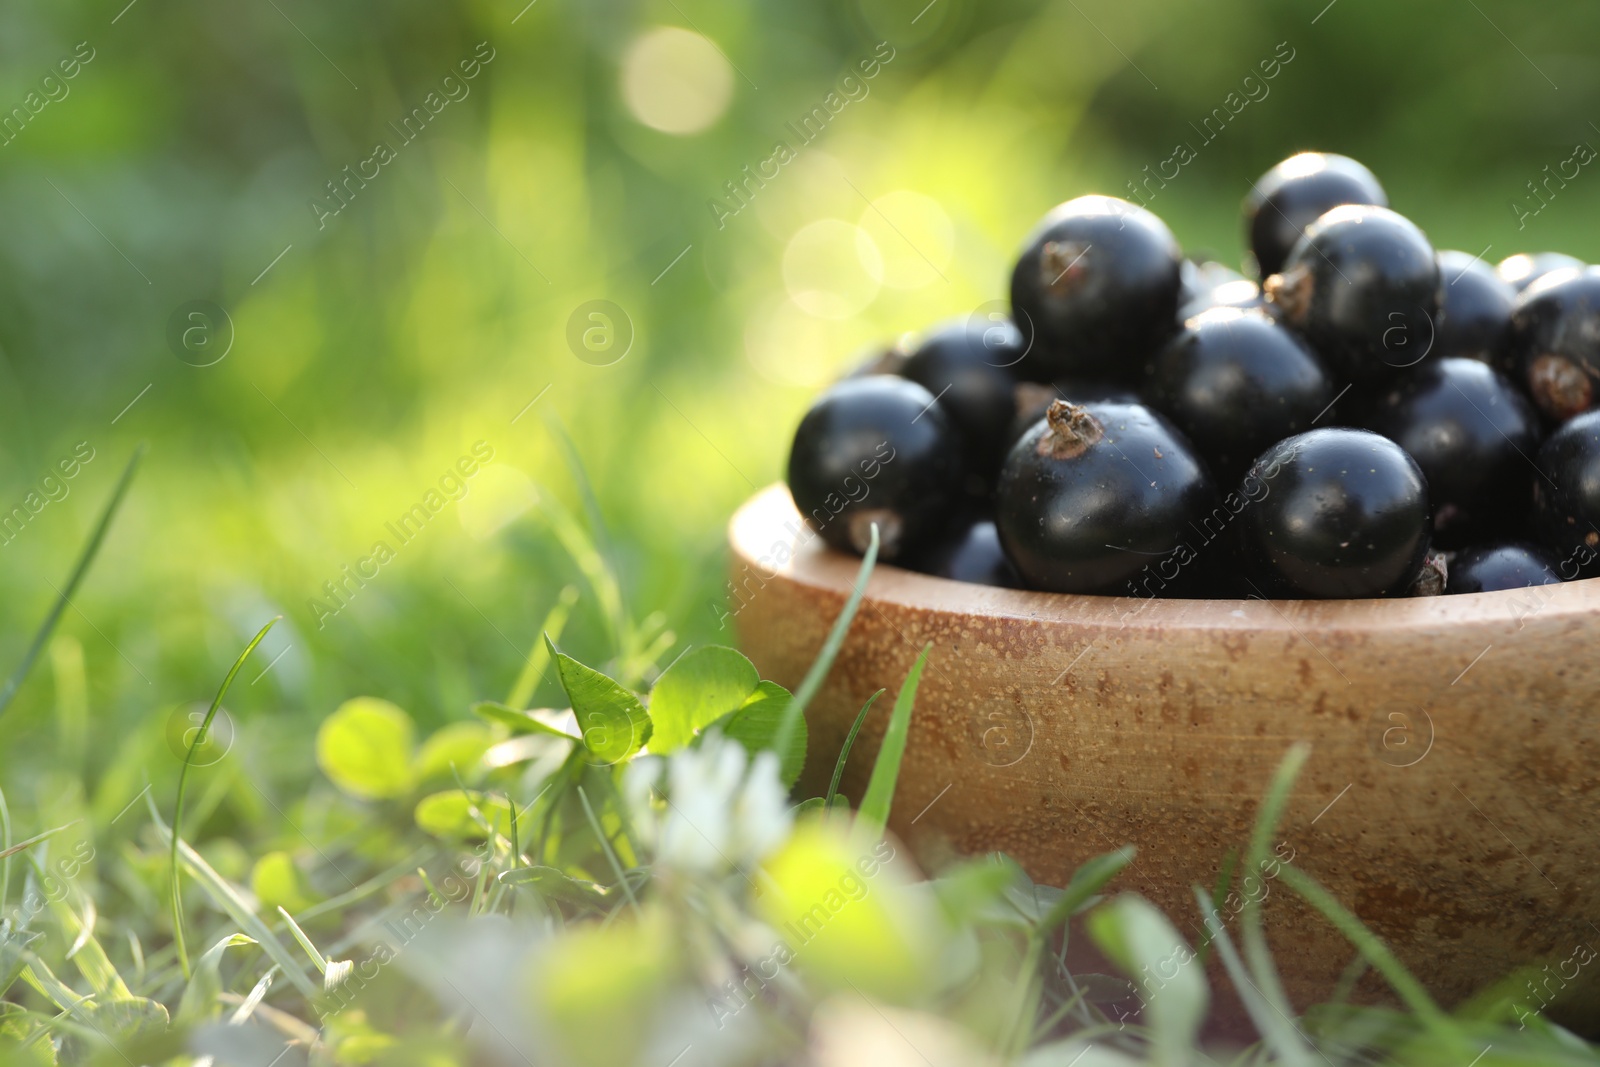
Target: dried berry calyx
(1073, 428)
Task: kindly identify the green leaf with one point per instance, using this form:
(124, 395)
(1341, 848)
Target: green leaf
(200, 995)
(520, 722)
(757, 724)
(276, 882)
(613, 722)
(1085, 882)
(456, 747)
(1140, 940)
(365, 748)
(450, 814)
(874, 812)
(700, 687)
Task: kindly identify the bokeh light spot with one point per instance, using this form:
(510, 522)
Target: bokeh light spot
(832, 269)
(676, 81)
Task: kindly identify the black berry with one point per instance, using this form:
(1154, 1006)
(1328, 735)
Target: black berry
(955, 364)
(1096, 287)
(973, 555)
(1294, 194)
(1555, 338)
(1234, 382)
(1513, 565)
(1242, 293)
(1197, 278)
(1475, 313)
(877, 449)
(1362, 286)
(1033, 399)
(1336, 513)
(1090, 495)
(1566, 494)
(881, 358)
(1525, 268)
(1474, 436)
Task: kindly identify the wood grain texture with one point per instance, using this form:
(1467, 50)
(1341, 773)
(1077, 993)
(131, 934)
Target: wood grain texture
(1450, 799)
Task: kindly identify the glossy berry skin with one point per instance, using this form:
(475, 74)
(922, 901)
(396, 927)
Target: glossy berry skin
(1294, 194)
(1336, 513)
(1474, 436)
(877, 449)
(973, 555)
(1362, 286)
(1525, 268)
(1097, 287)
(1566, 495)
(1242, 293)
(1093, 493)
(1512, 565)
(1475, 314)
(1235, 382)
(1555, 339)
(1200, 277)
(955, 364)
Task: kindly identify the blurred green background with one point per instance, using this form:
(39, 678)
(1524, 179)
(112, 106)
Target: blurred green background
(368, 350)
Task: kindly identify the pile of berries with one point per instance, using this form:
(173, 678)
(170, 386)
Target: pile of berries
(1373, 418)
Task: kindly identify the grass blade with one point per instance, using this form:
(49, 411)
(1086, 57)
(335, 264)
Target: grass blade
(1276, 1027)
(36, 838)
(1373, 950)
(228, 899)
(1219, 896)
(844, 752)
(90, 550)
(1086, 881)
(830, 647)
(539, 656)
(305, 942)
(874, 813)
(183, 781)
(1251, 933)
(605, 846)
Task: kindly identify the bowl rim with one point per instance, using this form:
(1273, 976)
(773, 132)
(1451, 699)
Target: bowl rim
(770, 540)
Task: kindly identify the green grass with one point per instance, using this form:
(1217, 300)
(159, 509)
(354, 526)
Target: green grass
(589, 903)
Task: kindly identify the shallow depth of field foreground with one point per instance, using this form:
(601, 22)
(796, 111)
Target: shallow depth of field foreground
(411, 653)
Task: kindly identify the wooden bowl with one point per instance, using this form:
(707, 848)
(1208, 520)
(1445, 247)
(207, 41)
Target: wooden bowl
(1450, 799)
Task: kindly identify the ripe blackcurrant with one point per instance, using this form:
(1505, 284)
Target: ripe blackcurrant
(973, 555)
(1294, 194)
(1566, 495)
(1525, 268)
(955, 364)
(1034, 399)
(1091, 494)
(1336, 513)
(1512, 565)
(1097, 287)
(1474, 436)
(1362, 286)
(1555, 337)
(1199, 277)
(1235, 382)
(1475, 314)
(877, 449)
(1243, 293)
(881, 358)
